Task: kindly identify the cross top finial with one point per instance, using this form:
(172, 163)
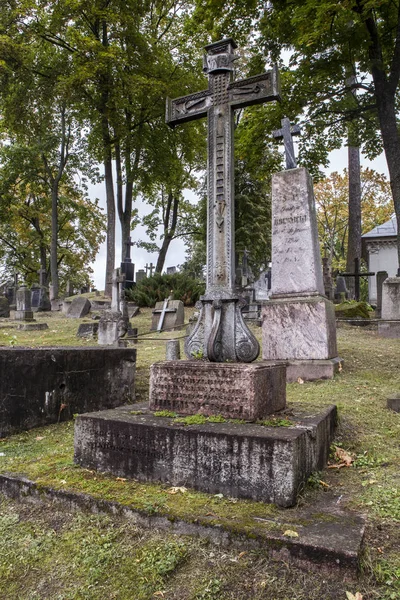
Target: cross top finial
(286, 133)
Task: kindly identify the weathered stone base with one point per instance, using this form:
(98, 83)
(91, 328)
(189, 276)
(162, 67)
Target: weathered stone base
(23, 315)
(393, 404)
(296, 328)
(39, 386)
(232, 390)
(32, 326)
(311, 370)
(389, 329)
(269, 464)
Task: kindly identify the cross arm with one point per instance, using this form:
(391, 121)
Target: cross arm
(187, 108)
(255, 90)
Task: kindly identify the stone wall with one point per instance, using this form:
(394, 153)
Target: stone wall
(39, 386)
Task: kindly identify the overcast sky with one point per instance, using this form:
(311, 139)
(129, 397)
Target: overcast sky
(176, 252)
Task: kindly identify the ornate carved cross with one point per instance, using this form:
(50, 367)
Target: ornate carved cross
(220, 333)
(286, 133)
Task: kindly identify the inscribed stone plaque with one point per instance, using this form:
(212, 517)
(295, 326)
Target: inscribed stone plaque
(231, 390)
(296, 260)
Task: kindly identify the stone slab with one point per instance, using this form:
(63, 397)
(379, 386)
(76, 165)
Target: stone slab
(4, 307)
(330, 537)
(32, 326)
(39, 386)
(232, 390)
(389, 329)
(299, 329)
(311, 370)
(171, 319)
(87, 330)
(391, 299)
(296, 259)
(269, 464)
(78, 308)
(394, 404)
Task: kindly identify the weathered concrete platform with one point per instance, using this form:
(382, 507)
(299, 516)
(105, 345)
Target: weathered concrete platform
(269, 464)
(231, 390)
(329, 537)
(39, 386)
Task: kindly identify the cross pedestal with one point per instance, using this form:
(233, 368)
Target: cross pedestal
(220, 333)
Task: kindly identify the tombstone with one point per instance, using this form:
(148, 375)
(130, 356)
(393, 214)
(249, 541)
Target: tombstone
(35, 297)
(114, 323)
(24, 311)
(357, 275)
(4, 307)
(390, 308)
(169, 314)
(79, 308)
(140, 275)
(69, 290)
(327, 277)
(244, 460)
(171, 270)
(127, 267)
(172, 350)
(298, 320)
(262, 286)
(133, 310)
(87, 330)
(285, 134)
(380, 278)
(84, 289)
(341, 291)
(149, 268)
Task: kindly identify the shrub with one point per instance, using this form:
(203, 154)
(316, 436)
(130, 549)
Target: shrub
(155, 289)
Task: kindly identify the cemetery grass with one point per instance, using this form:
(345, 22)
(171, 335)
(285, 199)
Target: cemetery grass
(39, 548)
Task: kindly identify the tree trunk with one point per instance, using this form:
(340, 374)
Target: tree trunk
(354, 223)
(110, 256)
(169, 229)
(54, 240)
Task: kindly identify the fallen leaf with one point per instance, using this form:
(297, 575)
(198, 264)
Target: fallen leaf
(218, 495)
(211, 515)
(344, 458)
(176, 490)
(160, 594)
(351, 596)
(300, 380)
(120, 479)
(290, 533)
(39, 437)
(340, 368)
(323, 483)
(242, 554)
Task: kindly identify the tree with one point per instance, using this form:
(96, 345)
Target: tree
(326, 39)
(331, 196)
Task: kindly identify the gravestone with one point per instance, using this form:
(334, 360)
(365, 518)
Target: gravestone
(24, 311)
(114, 323)
(298, 320)
(79, 308)
(87, 330)
(380, 278)
(140, 275)
(169, 314)
(171, 270)
(341, 291)
(149, 269)
(390, 308)
(127, 267)
(285, 134)
(69, 290)
(172, 350)
(35, 297)
(327, 277)
(240, 460)
(4, 307)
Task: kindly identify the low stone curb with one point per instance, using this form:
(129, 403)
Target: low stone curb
(334, 541)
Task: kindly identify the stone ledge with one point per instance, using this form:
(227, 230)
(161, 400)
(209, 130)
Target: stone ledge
(310, 370)
(333, 541)
(389, 329)
(268, 464)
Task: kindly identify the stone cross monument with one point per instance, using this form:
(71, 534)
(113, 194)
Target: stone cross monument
(220, 333)
(286, 133)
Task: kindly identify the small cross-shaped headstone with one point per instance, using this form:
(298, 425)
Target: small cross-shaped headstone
(150, 269)
(129, 245)
(286, 133)
(163, 312)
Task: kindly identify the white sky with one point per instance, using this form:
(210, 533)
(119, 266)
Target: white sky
(176, 252)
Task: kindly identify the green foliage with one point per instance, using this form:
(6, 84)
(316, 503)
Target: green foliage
(155, 289)
(275, 422)
(192, 420)
(165, 413)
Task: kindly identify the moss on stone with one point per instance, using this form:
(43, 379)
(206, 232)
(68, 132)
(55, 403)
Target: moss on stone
(352, 310)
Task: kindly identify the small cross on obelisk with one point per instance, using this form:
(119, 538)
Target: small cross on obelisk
(220, 333)
(129, 245)
(287, 133)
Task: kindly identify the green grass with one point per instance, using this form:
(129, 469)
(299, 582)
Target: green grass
(38, 557)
